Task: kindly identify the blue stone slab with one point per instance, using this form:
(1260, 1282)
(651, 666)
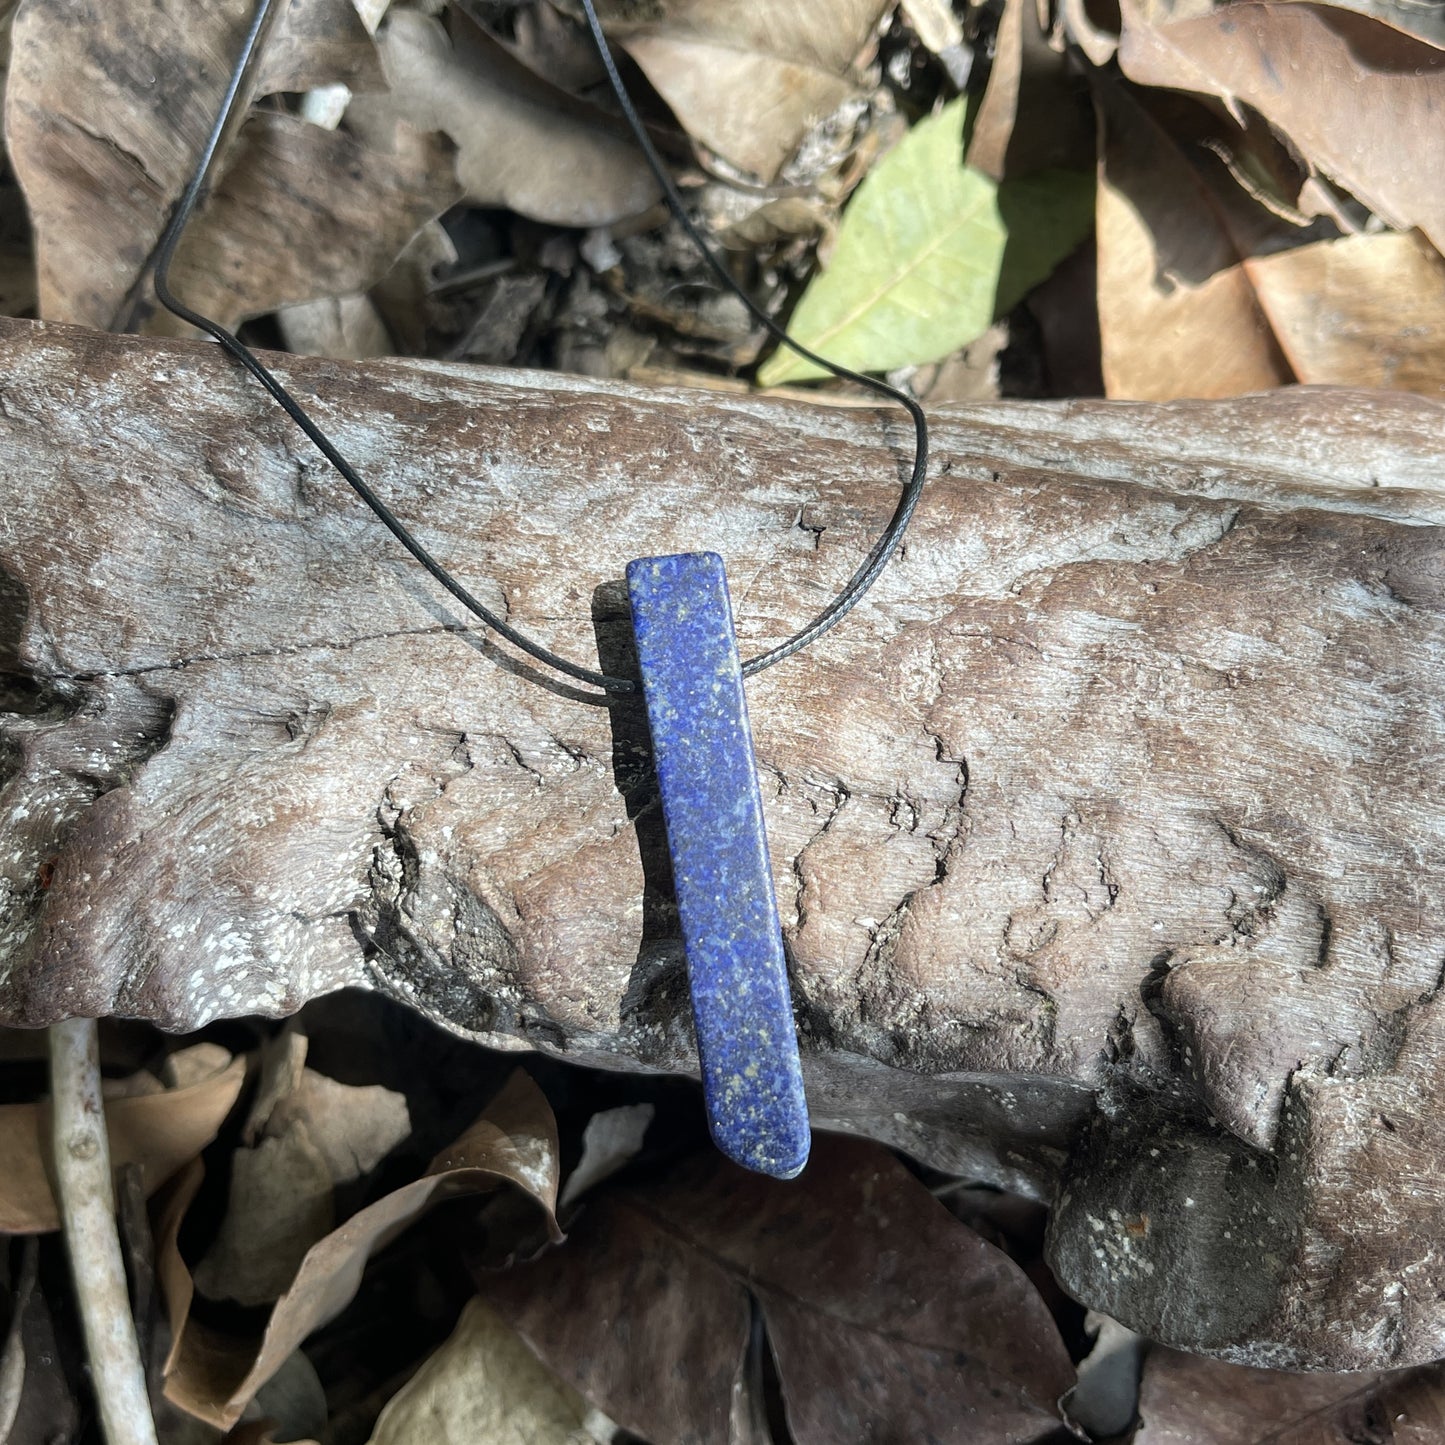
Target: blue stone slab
(703, 750)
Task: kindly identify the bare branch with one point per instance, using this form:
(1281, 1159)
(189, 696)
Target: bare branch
(86, 1195)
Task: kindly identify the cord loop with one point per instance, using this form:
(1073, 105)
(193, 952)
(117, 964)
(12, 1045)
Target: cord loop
(868, 571)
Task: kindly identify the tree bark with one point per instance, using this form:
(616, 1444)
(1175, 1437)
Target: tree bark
(1106, 830)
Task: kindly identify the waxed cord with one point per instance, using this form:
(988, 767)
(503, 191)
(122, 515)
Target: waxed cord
(852, 593)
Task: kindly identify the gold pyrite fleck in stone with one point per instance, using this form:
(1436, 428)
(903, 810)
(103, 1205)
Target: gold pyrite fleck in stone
(703, 749)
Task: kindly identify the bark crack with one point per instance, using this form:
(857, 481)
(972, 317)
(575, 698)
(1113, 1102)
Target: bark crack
(251, 654)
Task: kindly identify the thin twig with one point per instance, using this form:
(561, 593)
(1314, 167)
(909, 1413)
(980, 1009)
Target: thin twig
(86, 1198)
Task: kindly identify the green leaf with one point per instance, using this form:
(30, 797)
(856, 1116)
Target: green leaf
(929, 252)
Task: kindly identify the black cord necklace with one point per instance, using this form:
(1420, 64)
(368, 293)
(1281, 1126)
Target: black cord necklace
(691, 677)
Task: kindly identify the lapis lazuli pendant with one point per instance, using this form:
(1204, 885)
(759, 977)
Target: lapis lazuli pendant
(713, 811)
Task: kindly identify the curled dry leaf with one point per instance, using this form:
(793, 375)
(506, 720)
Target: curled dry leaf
(483, 1384)
(888, 1318)
(194, 1065)
(515, 146)
(1295, 63)
(928, 252)
(998, 111)
(1244, 1406)
(502, 320)
(353, 1127)
(1032, 115)
(291, 1404)
(970, 374)
(157, 1132)
(1098, 44)
(748, 80)
(283, 1061)
(315, 1135)
(214, 1376)
(299, 212)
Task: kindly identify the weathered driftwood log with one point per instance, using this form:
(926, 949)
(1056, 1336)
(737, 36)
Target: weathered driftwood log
(1108, 832)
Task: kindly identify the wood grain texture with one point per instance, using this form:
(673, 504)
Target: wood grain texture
(1106, 831)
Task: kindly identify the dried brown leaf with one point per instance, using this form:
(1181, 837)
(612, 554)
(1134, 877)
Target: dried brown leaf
(1097, 43)
(483, 1384)
(998, 110)
(194, 1064)
(934, 23)
(748, 80)
(888, 1318)
(548, 44)
(1162, 12)
(1066, 307)
(353, 1126)
(133, 1086)
(1190, 1399)
(214, 1377)
(1424, 19)
(298, 213)
(516, 146)
(158, 1133)
(611, 1139)
(967, 375)
(7, 16)
(503, 319)
(102, 163)
(1178, 316)
(283, 1062)
(1204, 290)
(303, 212)
(404, 297)
(1106, 1399)
(783, 218)
(319, 42)
(1295, 63)
(347, 328)
(637, 1317)
(1360, 310)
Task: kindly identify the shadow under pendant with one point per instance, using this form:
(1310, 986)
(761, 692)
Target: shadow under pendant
(713, 811)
